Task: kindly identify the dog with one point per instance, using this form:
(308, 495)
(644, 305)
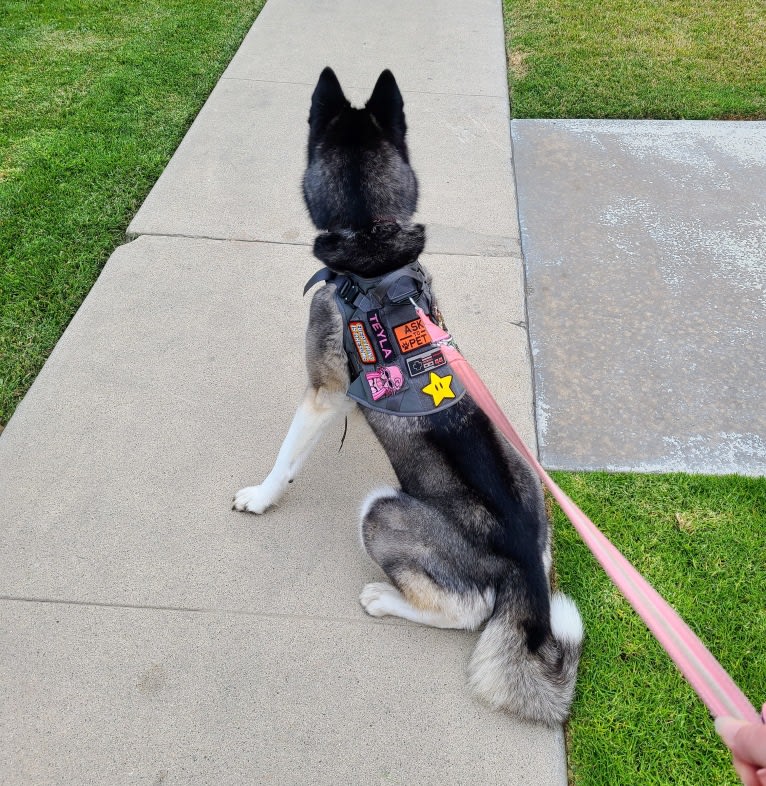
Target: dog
(465, 539)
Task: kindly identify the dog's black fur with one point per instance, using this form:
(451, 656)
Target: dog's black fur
(466, 537)
(358, 166)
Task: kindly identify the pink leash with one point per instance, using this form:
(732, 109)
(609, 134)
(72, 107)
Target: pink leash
(704, 673)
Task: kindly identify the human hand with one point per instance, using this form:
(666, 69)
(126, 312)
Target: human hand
(747, 742)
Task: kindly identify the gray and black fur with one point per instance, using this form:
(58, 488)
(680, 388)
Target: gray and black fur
(465, 539)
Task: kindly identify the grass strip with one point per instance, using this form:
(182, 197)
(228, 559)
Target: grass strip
(95, 97)
(701, 542)
(633, 59)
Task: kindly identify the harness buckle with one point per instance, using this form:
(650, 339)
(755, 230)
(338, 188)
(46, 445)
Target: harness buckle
(348, 291)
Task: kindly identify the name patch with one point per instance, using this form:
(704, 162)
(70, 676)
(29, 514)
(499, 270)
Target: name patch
(380, 335)
(362, 342)
(425, 362)
(411, 336)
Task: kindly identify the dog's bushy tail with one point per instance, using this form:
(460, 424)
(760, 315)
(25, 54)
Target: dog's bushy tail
(528, 668)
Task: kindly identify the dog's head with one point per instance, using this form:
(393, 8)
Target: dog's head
(358, 171)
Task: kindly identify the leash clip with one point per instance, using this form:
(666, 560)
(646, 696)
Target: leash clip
(445, 338)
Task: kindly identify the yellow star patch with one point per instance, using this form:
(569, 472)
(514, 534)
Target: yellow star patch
(439, 388)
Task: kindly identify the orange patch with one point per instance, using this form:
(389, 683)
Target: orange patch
(362, 342)
(411, 335)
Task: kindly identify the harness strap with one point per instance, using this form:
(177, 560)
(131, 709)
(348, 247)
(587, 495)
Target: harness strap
(396, 287)
(323, 274)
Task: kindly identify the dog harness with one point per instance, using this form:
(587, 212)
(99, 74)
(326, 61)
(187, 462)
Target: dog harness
(394, 366)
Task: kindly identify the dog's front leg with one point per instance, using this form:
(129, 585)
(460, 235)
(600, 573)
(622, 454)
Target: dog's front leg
(319, 408)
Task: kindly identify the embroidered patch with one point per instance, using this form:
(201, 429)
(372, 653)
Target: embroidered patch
(426, 361)
(381, 335)
(363, 347)
(412, 335)
(439, 388)
(385, 381)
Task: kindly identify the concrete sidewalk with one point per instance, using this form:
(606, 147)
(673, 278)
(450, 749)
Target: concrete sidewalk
(645, 247)
(150, 634)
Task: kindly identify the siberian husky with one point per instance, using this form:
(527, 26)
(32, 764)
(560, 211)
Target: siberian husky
(465, 539)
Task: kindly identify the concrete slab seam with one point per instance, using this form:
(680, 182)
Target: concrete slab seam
(199, 610)
(133, 236)
(363, 87)
(524, 300)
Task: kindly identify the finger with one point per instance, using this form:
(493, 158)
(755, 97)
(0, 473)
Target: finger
(750, 744)
(727, 729)
(746, 772)
(747, 742)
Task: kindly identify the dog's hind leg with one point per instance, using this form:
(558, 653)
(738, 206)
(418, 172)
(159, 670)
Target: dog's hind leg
(318, 410)
(444, 610)
(404, 536)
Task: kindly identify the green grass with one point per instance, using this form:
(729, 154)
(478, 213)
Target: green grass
(94, 98)
(701, 541)
(692, 59)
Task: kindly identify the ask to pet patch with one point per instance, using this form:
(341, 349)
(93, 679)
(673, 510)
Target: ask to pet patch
(363, 347)
(411, 336)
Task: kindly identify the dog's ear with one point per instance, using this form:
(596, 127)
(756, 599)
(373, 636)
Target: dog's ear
(327, 101)
(387, 106)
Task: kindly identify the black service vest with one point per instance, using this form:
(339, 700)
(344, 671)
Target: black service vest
(394, 367)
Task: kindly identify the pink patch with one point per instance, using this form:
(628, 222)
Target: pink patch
(385, 381)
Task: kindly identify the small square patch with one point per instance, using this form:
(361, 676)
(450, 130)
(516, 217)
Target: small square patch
(385, 381)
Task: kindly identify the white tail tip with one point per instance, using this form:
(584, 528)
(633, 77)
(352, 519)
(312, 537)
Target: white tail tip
(566, 623)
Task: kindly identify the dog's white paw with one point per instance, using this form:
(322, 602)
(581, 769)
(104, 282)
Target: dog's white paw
(255, 499)
(379, 598)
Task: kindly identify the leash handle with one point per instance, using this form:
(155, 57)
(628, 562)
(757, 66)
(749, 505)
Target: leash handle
(713, 685)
